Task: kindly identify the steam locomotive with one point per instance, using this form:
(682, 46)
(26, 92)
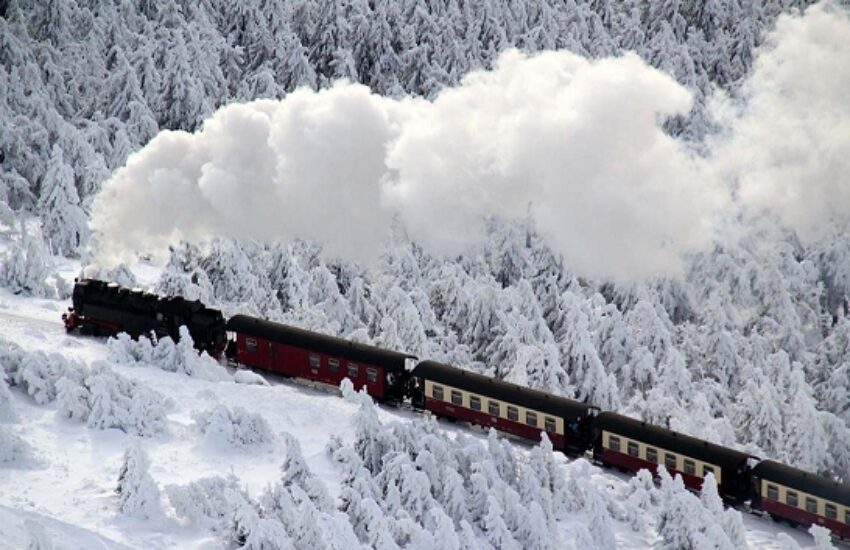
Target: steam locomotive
(393, 377)
(105, 309)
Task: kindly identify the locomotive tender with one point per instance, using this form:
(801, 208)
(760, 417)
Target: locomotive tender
(389, 376)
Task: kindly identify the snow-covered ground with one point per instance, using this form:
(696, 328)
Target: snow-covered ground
(67, 491)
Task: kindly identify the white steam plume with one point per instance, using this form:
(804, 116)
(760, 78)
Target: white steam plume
(789, 149)
(577, 143)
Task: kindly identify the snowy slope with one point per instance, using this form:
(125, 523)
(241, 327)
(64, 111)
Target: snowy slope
(69, 487)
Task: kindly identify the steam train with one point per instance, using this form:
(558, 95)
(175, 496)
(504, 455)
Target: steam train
(393, 377)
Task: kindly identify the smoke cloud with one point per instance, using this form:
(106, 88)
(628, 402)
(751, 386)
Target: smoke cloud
(576, 144)
(789, 148)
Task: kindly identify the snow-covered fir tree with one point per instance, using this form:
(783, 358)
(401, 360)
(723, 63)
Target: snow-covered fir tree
(137, 491)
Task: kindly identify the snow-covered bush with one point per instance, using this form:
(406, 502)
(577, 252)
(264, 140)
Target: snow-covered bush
(137, 491)
(98, 396)
(125, 350)
(181, 357)
(236, 428)
(117, 402)
(208, 502)
(73, 399)
(37, 372)
(104, 399)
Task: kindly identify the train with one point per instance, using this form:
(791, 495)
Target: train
(393, 377)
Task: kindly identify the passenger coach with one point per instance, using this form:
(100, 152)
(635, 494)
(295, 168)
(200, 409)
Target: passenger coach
(803, 498)
(635, 445)
(295, 352)
(465, 395)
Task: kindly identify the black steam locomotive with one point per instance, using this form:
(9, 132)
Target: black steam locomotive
(389, 376)
(106, 309)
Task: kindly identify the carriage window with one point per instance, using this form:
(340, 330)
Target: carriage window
(614, 443)
(513, 413)
(353, 371)
(474, 403)
(251, 344)
(632, 449)
(690, 467)
(372, 375)
(493, 408)
(670, 461)
(550, 424)
(315, 361)
(651, 455)
(333, 365)
(830, 511)
(791, 498)
(437, 392)
(530, 418)
(847, 517)
(811, 505)
(457, 398)
(707, 470)
(773, 492)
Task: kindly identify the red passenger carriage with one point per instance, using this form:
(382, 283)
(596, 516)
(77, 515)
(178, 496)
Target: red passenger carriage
(291, 351)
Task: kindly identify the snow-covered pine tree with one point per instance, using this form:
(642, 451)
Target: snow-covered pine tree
(137, 491)
(63, 219)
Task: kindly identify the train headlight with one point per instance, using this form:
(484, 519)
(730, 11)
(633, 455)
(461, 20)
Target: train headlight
(390, 378)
